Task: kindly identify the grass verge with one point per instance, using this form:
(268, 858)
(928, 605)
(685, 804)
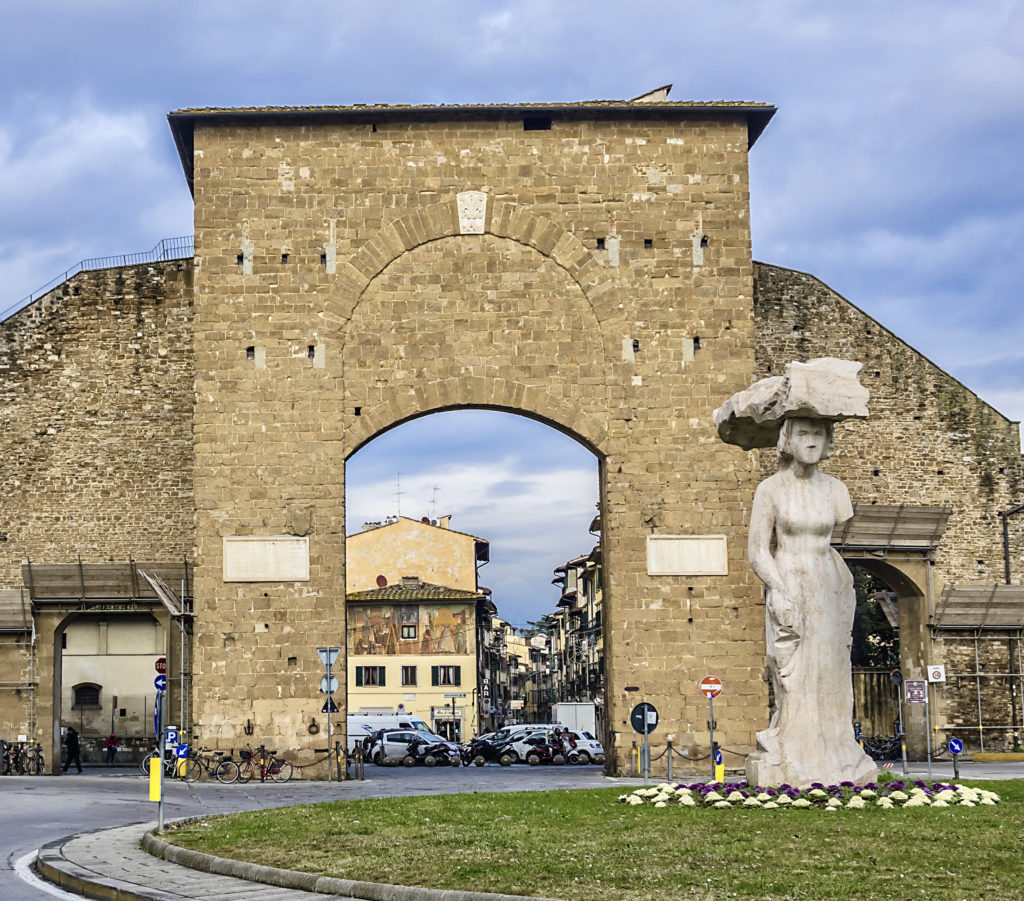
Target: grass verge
(581, 845)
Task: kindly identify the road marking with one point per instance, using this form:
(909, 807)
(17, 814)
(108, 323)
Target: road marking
(23, 870)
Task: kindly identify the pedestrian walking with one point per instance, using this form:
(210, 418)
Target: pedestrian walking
(73, 750)
(111, 747)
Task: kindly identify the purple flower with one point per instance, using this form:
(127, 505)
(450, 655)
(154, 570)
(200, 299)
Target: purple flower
(785, 787)
(793, 792)
(817, 785)
(857, 788)
(834, 789)
(846, 783)
(872, 785)
(771, 791)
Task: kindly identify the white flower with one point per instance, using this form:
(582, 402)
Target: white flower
(721, 805)
(801, 802)
(623, 797)
(687, 801)
(988, 801)
(817, 794)
(734, 796)
(633, 800)
(868, 793)
(968, 804)
(660, 799)
(939, 803)
(829, 809)
(684, 791)
(885, 803)
(751, 802)
(659, 803)
(897, 796)
(784, 800)
(647, 792)
(834, 803)
(919, 801)
(712, 796)
(764, 796)
(770, 805)
(856, 803)
(945, 795)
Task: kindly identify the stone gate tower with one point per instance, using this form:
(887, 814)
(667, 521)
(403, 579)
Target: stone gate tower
(587, 265)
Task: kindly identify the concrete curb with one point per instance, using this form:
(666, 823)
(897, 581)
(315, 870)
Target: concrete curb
(327, 885)
(54, 867)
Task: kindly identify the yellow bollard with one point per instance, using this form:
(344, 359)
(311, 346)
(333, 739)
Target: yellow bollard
(154, 779)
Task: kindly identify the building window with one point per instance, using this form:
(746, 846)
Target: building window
(446, 675)
(87, 695)
(409, 630)
(409, 674)
(370, 675)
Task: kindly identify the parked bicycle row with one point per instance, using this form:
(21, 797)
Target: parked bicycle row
(534, 744)
(23, 758)
(256, 762)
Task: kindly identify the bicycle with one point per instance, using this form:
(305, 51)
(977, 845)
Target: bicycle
(171, 761)
(213, 763)
(258, 761)
(34, 762)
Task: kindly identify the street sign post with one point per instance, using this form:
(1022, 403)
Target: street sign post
(329, 685)
(916, 692)
(937, 672)
(711, 688)
(956, 748)
(644, 719)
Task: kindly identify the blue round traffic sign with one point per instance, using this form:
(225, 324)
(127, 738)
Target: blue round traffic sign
(160, 682)
(955, 746)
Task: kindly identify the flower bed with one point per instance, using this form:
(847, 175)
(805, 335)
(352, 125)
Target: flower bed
(845, 796)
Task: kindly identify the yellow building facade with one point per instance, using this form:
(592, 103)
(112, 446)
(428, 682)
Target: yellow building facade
(412, 643)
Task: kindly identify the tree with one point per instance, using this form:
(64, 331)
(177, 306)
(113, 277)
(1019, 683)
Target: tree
(876, 643)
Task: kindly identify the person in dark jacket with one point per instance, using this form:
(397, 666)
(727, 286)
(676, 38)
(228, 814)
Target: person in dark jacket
(73, 750)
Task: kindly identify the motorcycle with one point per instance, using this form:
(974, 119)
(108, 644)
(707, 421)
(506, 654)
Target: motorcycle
(478, 751)
(421, 750)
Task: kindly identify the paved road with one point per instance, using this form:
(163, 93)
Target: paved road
(36, 810)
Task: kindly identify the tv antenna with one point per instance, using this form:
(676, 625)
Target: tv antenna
(433, 503)
(398, 492)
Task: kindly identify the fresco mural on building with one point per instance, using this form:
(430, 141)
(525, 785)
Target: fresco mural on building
(409, 629)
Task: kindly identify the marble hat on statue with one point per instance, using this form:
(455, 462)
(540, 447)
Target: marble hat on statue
(825, 388)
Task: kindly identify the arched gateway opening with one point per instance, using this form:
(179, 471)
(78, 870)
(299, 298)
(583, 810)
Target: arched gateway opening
(456, 522)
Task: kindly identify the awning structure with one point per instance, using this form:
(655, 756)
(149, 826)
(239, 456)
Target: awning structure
(14, 615)
(880, 527)
(975, 607)
(99, 582)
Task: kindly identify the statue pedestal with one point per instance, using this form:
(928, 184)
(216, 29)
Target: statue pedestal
(771, 774)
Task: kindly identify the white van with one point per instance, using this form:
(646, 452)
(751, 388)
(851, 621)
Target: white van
(362, 725)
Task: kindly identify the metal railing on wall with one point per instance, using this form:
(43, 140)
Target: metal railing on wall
(180, 248)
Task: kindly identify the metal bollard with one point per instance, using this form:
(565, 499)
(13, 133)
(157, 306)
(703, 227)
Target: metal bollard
(633, 762)
(668, 751)
(337, 759)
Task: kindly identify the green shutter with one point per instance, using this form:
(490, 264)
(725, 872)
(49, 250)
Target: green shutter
(359, 676)
(380, 676)
(457, 678)
(435, 678)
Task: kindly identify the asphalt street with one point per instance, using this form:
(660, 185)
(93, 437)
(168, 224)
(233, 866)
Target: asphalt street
(38, 809)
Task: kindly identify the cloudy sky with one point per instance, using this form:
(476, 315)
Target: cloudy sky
(892, 172)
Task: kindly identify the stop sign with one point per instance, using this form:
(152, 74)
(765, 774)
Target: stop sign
(161, 665)
(711, 686)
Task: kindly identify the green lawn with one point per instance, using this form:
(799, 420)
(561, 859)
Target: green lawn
(581, 845)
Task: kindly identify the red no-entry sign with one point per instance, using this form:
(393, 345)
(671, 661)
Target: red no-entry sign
(161, 665)
(711, 686)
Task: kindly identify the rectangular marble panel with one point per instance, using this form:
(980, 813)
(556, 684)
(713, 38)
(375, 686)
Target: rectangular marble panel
(266, 558)
(687, 555)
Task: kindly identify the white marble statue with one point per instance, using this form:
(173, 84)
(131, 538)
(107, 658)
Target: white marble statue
(809, 589)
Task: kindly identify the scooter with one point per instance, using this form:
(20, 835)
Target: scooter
(419, 750)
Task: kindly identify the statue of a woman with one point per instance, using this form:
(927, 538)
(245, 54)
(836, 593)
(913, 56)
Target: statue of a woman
(809, 616)
(810, 600)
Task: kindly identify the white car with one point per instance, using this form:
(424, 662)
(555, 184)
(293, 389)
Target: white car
(587, 746)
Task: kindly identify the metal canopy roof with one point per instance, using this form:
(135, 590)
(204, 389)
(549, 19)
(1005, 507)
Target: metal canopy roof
(980, 607)
(884, 527)
(102, 581)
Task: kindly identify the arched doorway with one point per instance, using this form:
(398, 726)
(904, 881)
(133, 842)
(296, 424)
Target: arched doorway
(441, 505)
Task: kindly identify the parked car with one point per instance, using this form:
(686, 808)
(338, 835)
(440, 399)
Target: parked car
(391, 746)
(589, 749)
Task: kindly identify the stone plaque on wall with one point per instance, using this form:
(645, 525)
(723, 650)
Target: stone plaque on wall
(687, 555)
(266, 558)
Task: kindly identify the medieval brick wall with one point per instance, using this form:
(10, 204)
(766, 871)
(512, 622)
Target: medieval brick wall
(96, 421)
(929, 440)
(338, 294)
(96, 402)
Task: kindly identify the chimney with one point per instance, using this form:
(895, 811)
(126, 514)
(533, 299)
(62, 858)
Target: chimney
(444, 520)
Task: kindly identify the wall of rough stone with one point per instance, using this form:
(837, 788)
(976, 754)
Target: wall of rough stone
(929, 441)
(16, 685)
(526, 315)
(96, 421)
